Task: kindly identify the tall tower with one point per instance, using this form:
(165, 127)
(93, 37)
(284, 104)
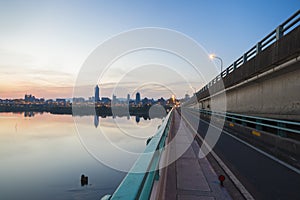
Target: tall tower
(97, 97)
(128, 98)
(137, 98)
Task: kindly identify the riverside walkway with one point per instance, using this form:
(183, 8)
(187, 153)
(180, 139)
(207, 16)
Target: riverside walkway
(189, 177)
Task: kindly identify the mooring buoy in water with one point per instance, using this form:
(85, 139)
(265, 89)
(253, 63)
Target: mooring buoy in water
(84, 180)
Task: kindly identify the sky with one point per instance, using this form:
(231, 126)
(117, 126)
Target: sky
(43, 44)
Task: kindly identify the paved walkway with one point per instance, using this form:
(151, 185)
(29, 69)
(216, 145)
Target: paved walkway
(189, 177)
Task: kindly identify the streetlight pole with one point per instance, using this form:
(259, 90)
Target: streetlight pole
(212, 56)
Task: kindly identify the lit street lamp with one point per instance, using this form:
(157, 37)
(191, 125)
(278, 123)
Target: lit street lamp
(212, 56)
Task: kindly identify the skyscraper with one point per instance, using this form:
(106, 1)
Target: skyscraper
(114, 99)
(137, 98)
(97, 97)
(128, 98)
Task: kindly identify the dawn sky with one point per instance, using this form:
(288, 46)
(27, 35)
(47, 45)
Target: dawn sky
(43, 44)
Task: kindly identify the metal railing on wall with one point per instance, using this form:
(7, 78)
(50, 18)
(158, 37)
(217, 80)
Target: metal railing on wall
(284, 28)
(283, 128)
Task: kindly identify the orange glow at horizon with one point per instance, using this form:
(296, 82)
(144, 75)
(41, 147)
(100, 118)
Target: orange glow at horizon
(48, 92)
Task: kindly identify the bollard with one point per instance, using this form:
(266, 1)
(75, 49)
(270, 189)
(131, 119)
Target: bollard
(222, 179)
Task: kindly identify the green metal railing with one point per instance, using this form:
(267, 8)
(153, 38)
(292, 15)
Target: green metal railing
(139, 181)
(280, 126)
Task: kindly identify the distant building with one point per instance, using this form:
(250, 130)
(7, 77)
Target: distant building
(152, 101)
(131, 102)
(78, 99)
(114, 99)
(187, 97)
(105, 100)
(91, 99)
(161, 101)
(137, 98)
(49, 101)
(97, 94)
(61, 101)
(128, 98)
(29, 98)
(146, 101)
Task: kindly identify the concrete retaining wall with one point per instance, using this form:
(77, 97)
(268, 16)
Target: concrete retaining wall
(275, 95)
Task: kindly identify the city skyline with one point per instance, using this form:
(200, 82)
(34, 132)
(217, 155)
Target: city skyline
(108, 91)
(97, 97)
(43, 44)
(31, 98)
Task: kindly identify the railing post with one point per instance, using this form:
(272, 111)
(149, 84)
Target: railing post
(258, 126)
(281, 133)
(156, 177)
(279, 32)
(228, 116)
(243, 121)
(245, 58)
(234, 66)
(258, 47)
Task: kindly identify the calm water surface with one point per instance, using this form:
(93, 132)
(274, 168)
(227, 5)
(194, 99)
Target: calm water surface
(43, 157)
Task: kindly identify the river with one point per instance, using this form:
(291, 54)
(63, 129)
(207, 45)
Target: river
(43, 156)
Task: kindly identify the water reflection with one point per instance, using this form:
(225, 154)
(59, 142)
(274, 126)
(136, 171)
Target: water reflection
(45, 149)
(114, 116)
(97, 117)
(137, 119)
(29, 114)
(96, 120)
(124, 135)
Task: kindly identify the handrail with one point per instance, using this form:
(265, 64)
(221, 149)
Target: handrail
(138, 183)
(245, 118)
(268, 40)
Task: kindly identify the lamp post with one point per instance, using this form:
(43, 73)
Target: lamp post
(212, 56)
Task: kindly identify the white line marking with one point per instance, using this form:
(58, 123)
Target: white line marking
(234, 179)
(257, 149)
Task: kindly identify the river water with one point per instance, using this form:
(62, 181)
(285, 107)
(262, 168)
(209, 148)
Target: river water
(43, 156)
